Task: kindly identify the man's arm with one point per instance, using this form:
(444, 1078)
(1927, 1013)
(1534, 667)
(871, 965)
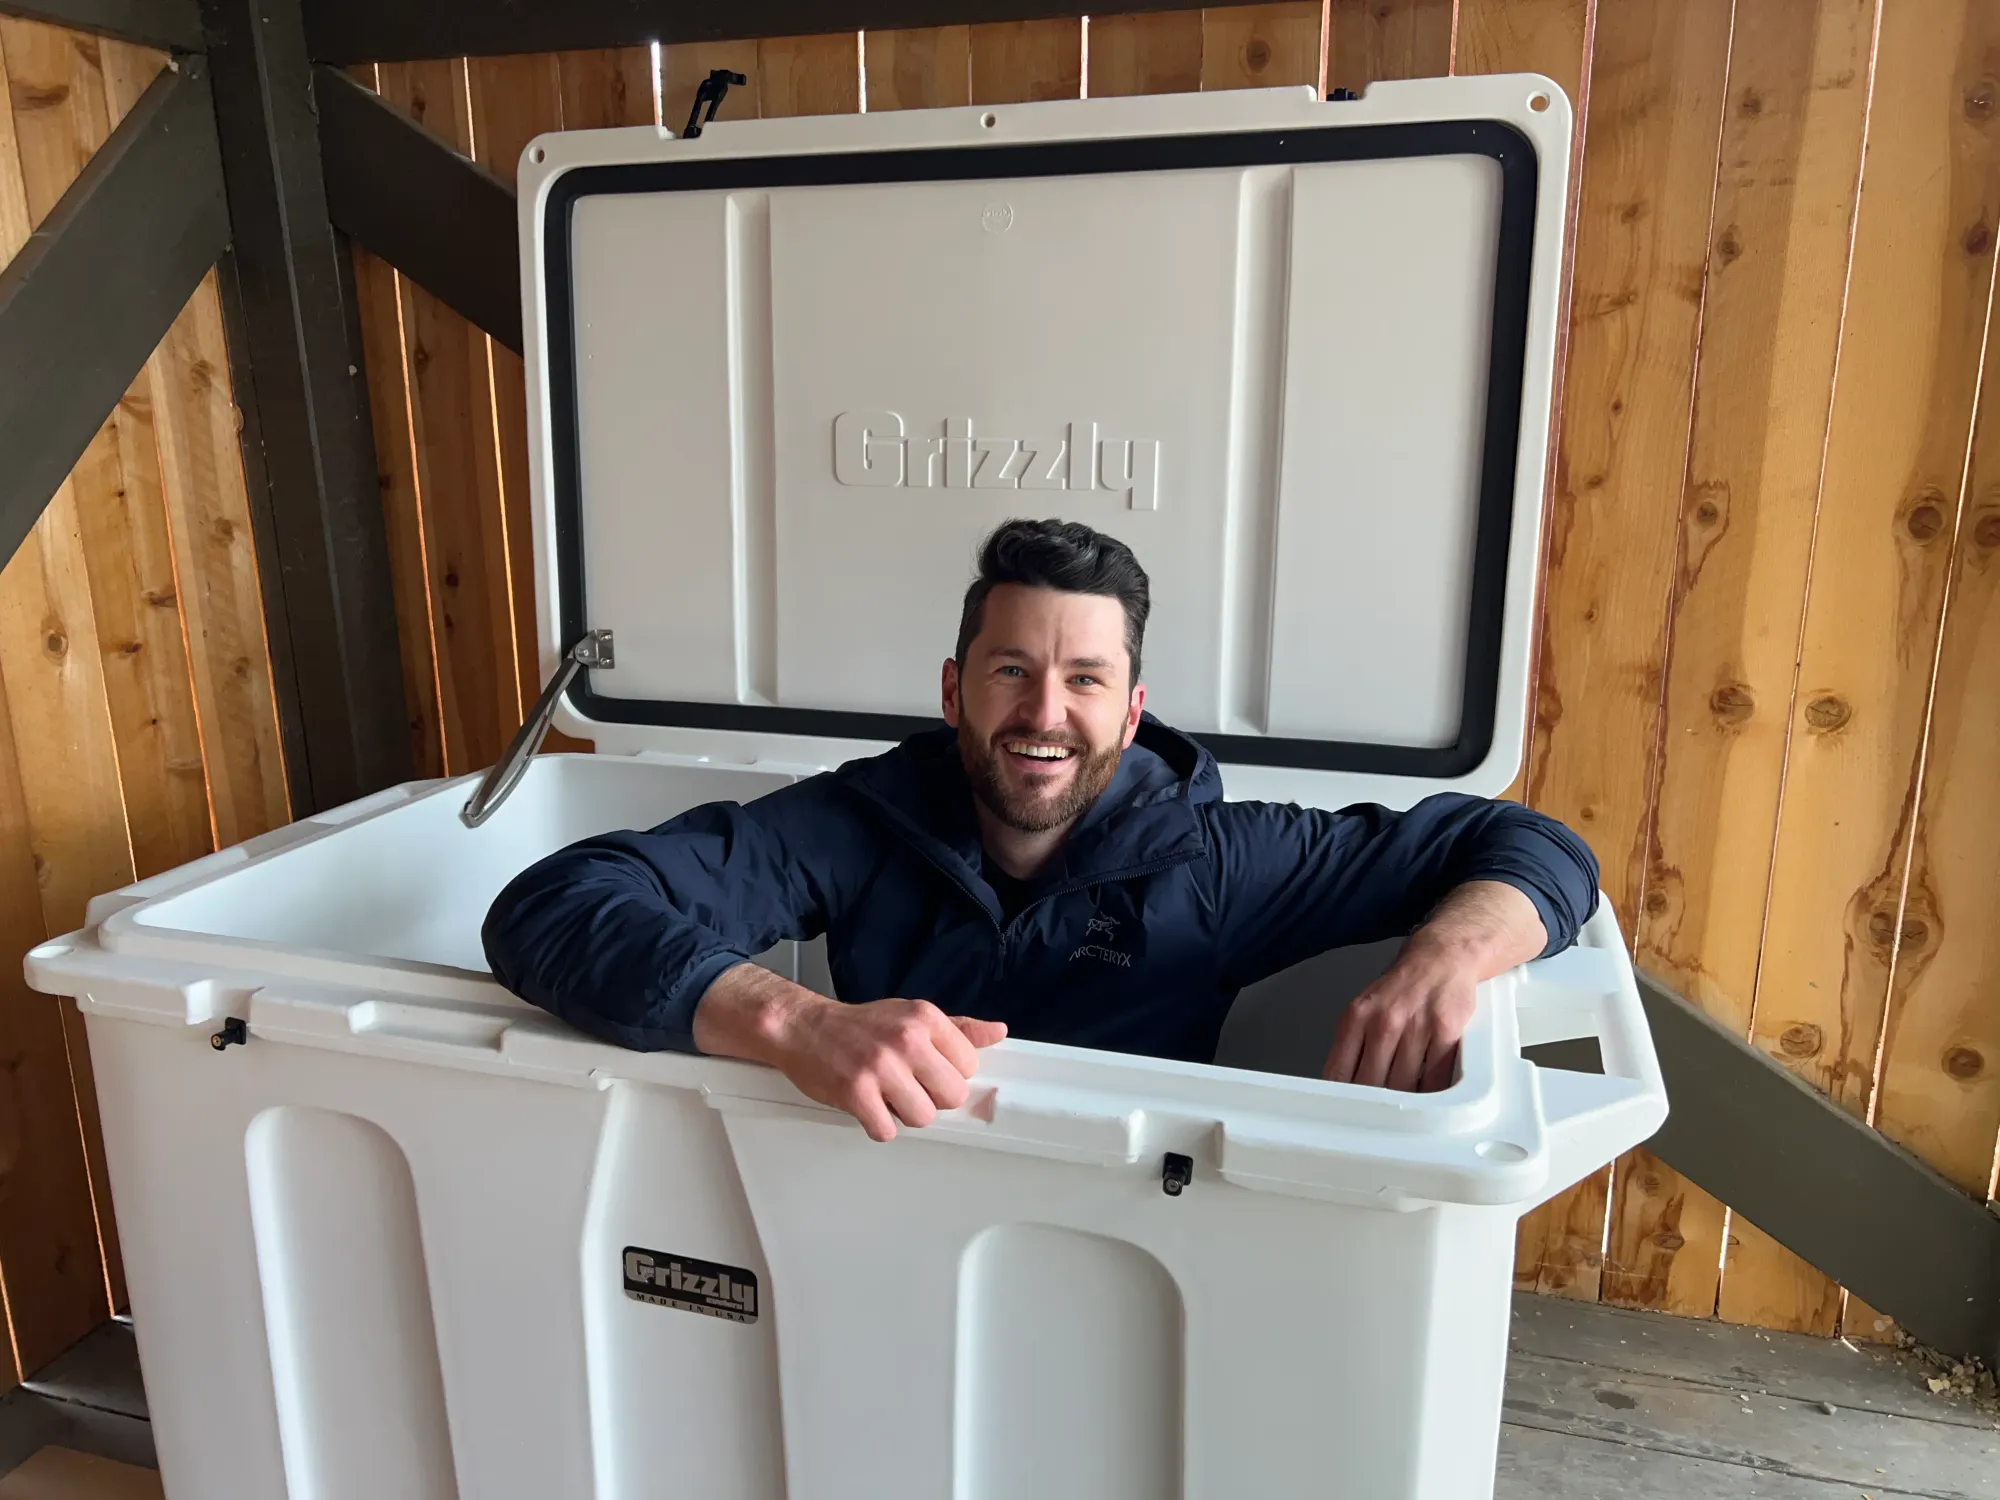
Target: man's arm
(1476, 885)
(884, 1061)
(622, 935)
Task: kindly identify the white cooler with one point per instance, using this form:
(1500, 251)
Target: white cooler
(412, 1238)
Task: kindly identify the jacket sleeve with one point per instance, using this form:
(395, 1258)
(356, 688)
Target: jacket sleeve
(1293, 882)
(621, 935)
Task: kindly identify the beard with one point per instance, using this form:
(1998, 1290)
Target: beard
(1035, 812)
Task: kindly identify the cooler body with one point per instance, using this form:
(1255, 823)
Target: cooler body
(412, 1237)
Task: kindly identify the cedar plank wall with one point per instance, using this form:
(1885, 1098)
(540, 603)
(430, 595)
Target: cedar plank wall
(137, 726)
(1768, 675)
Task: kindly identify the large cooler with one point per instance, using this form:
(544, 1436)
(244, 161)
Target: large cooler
(412, 1238)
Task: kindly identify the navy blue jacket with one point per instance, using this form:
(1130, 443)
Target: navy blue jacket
(1162, 904)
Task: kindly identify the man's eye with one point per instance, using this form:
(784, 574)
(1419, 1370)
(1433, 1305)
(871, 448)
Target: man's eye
(1014, 671)
(1086, 680)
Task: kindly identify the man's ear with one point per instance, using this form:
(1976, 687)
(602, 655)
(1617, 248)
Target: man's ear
(1132, 713)
(949, 692)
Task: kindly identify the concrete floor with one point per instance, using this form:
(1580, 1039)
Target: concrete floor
(1600, 1404)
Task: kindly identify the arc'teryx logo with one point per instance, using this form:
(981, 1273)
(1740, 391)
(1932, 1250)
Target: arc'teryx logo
(1101, 926)
(871, 449)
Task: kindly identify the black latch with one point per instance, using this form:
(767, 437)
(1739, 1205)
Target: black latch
(1343, 96)
(1179, 1172)
(233, 1034)
(710, 92)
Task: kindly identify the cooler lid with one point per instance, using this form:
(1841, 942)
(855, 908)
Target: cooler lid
(1297, 354)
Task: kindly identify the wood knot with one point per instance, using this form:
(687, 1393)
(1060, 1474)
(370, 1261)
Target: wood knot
(1882, 929)
(1257, 54)
(1617, 404)
(224, 529)
(1916, 934)
(1729, 246)
(1986, 530)
(1630, 213)
(1925, 522)
(28, 96)
(1979, 99)
(1586, 814)
(129, 648)
(1827, 713)
(1669, 1241)
(1657, 901)
(420, 357)
(240, 668)
(451, 579)
(1978, 239)
(1593, 482)
(202, 373)
(56, 643)
(1753, 102)
(1733, 702)
(1802, 1039)
(1650, 1184)
(1963, 1063)
(161, 598)
(1708, 513)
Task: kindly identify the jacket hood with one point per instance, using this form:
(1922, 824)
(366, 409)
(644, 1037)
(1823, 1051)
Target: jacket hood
(1145, 818)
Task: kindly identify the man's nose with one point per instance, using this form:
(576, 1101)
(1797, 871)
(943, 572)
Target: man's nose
(1047, 705)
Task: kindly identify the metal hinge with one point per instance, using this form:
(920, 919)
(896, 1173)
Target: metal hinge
(594, 651)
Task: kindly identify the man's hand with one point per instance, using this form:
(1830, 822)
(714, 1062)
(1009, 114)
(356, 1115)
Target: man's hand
(882, 1062)
(1402, 1032)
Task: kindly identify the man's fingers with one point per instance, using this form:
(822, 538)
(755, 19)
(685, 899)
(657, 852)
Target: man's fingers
(980, 1033)
(909, 1099)
(868, 1108)
(940, 1078)
(1346, 1054)
(1406, 1068)
(955, 1047)
(1378, 1051)
(1440, 1067)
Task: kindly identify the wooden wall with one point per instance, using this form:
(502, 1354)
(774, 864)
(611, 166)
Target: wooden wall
(1768, 687)
(137, 729)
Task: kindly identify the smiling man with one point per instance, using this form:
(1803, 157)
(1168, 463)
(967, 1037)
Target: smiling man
(1055, 863)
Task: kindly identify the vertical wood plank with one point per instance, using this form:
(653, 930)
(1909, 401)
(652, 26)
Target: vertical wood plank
(1013, 62)
(458, 481)
(606, 87)
(1656, 103)
(1371, 40)
(684, 65)
(513, 100)
(1791, 155)
(1526, 36)
(1261, 46)
(809, 75)
(379, 308)
(927, 67)
(1895, 465)
(1940, 1093)
(1157, 54)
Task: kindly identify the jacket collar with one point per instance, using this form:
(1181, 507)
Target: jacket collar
(1145, 819)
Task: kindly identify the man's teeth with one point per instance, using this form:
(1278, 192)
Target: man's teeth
(1040, 752)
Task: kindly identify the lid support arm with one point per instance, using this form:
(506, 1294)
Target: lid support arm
(594, 650)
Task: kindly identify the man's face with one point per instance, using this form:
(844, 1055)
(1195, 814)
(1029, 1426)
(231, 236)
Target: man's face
(1044, 705)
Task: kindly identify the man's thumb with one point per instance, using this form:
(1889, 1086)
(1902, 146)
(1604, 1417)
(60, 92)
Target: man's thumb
(981, 1033)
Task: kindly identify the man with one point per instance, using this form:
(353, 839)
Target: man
(1056, 863)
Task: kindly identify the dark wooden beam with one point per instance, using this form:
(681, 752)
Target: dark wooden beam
(170, 25)
(309, 455)
(98, 284)
(1824, 1183)
(438, 217)
(354, 31)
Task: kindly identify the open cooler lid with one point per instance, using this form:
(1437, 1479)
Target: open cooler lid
(1298, 354)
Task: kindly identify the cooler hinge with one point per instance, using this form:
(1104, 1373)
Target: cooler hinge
(594, 651)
